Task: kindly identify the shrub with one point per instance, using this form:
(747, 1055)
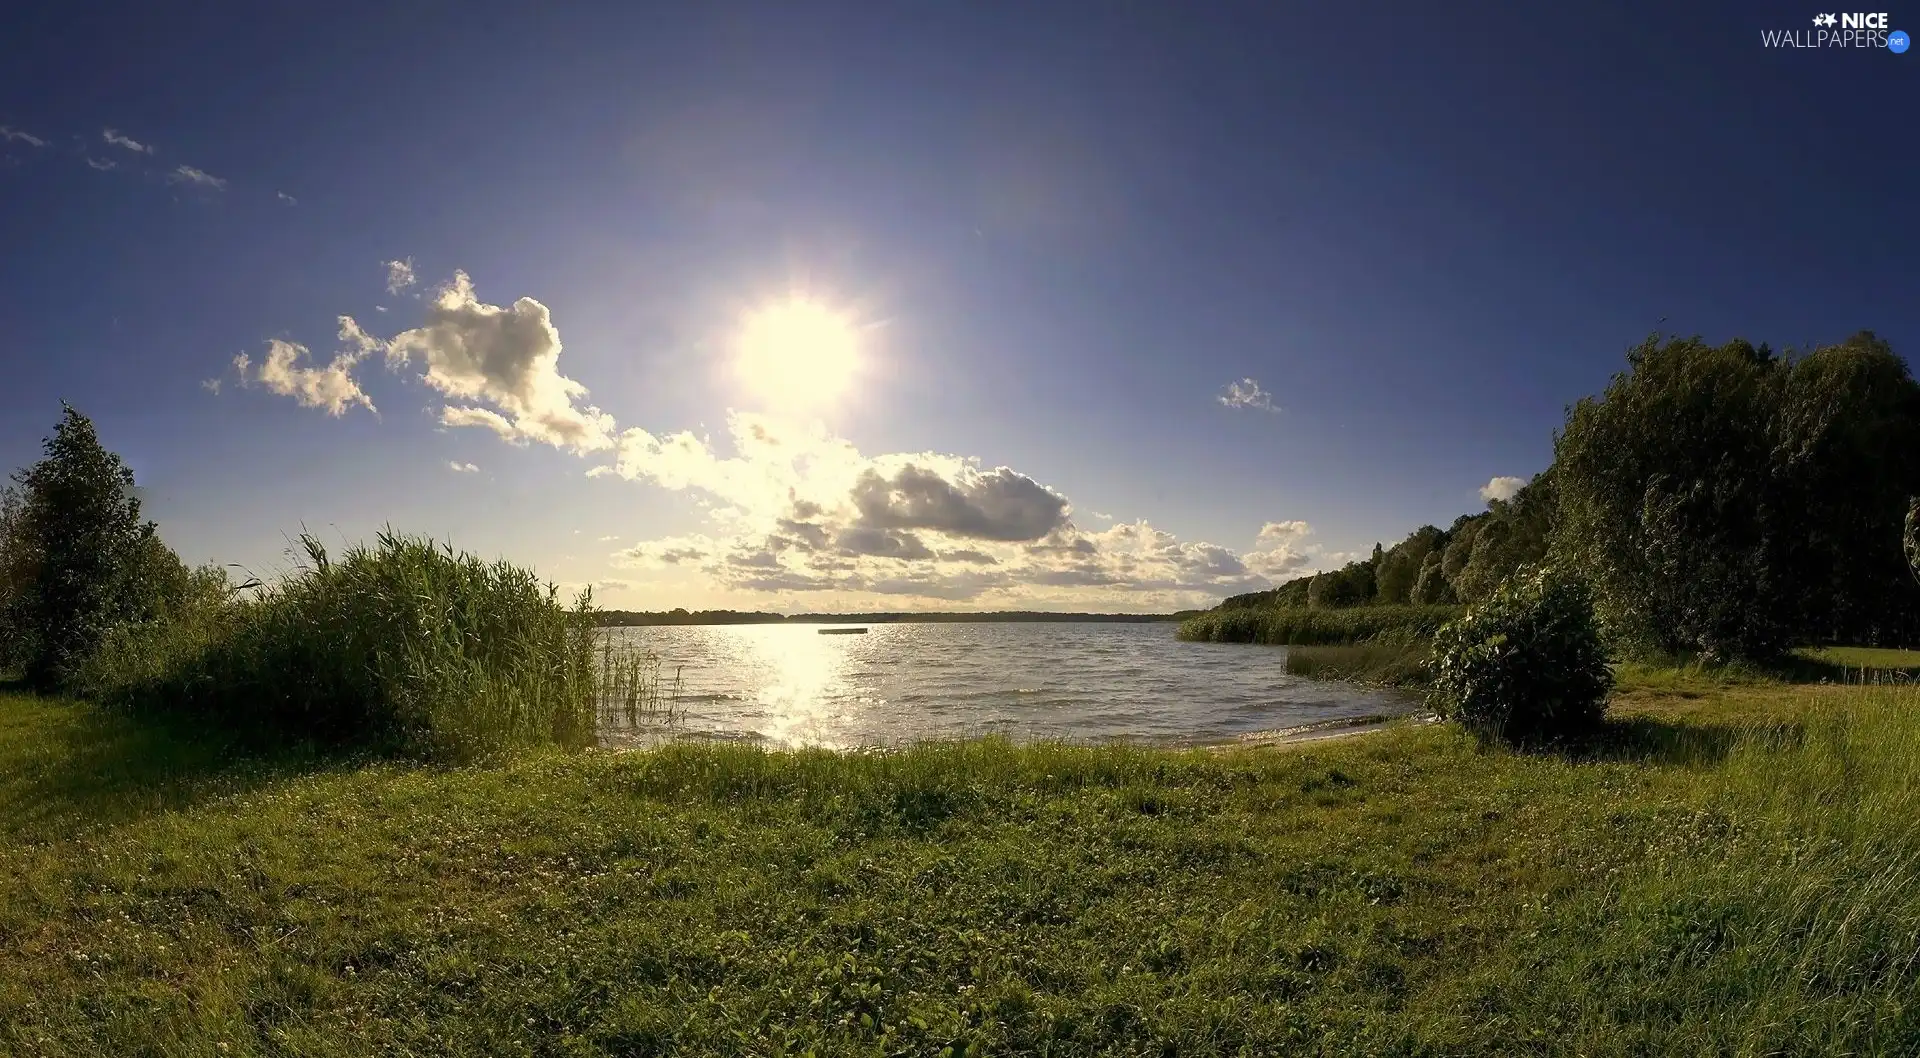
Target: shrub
(1526, 665)
(407, 647)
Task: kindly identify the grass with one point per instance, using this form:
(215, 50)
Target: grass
(1732, 870)
(1317, 627)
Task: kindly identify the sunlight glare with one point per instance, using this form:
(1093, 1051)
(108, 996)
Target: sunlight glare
(797, 352)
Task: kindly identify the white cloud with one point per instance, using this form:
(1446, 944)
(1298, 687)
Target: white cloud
(211, 385)
(187, 174)
(399, 275)
(507, 357)
(288, 199)
(1501, 488)
(791, 508)
(463, 468)
(10, 134)
(118, 140)
(102, 166)
(331, 388)
(609, 538)
(799, 511)
(379, 308)
(1246, 393)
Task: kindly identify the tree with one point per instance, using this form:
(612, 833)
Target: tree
(1846, 458)
(1731, 502)
(88, 547)
(17, 560)
(1667, 500)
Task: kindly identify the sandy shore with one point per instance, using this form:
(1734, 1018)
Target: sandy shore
(1328, 729)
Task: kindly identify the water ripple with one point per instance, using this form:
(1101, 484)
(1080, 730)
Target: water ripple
(788, 685)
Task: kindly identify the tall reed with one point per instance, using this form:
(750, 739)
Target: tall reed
(406, 646)
(1303, 626)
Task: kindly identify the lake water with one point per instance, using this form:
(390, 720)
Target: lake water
(787, 685)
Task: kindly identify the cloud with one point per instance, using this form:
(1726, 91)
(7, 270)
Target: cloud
(610, 537)
(797, 510)
(492, 420)
(1246, 393)
(1501, 488)
(10, 134)
(102, 166)
(187, 174)
(790, 508)
(993, 505)
(211, 385)
(399, 275)
(1278, 552)
(379, 308)
(507, 357)
(288, 199)
(613, 585)
(118, 140)
(463, 468)
(331, 388)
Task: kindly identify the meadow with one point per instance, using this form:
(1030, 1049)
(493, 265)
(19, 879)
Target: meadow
(1729, 868)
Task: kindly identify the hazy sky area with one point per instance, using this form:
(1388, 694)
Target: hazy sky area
(905, 305)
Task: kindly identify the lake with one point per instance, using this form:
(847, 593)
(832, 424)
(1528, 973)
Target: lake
(787, 685)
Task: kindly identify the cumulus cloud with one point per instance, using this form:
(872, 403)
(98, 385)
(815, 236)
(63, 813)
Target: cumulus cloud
(288, 199)
(796, 510)
(1279, 551)
(791, 507)
(463, 468)
(12, 135)
(117, 140)
(211, 385)
(187, 174)
(991, 505)
(399, 275)
(331, 388)
(507, 357)
(1501, 488)
(1246, 393)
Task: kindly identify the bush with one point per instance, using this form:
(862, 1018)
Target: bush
(407, 647)
(1528, 665)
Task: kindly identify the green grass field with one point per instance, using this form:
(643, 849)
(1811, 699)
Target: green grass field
(1732, 871)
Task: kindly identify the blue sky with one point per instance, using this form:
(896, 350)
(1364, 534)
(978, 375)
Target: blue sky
(1050, 244)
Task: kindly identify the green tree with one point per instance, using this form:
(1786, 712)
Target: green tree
(88, 548)
(1667, 500)
(1846, 458)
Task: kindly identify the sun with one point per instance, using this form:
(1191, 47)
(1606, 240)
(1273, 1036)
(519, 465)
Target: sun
(797, 352)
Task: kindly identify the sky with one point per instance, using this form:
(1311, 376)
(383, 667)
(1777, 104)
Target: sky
(801, 306)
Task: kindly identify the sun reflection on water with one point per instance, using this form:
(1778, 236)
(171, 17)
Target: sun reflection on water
(803, 676)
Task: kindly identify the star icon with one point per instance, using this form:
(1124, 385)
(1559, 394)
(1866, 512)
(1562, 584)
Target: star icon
(1824, 20)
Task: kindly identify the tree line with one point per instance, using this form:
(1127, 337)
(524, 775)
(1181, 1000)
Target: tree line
(1725, 500)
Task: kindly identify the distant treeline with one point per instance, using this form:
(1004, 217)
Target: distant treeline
(634, 618)
(1721, 499)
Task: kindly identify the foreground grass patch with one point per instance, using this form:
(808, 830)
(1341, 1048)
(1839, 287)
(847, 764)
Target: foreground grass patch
(1401, 893)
